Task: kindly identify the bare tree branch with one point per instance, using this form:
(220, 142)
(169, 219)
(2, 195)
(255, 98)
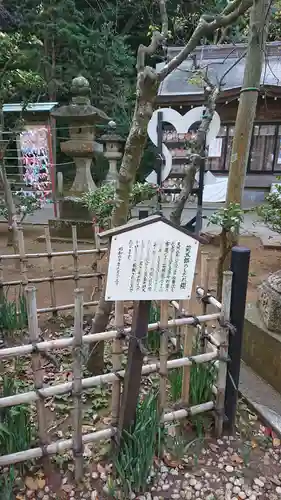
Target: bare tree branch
(206, 26)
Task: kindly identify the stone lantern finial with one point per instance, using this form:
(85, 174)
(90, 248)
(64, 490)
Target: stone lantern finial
(80, 90)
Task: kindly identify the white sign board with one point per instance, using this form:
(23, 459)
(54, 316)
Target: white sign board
(215, 148)
(153, 262)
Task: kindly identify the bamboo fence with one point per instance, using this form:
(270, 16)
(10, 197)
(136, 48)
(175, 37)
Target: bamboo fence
(23, 258)
(79, 384)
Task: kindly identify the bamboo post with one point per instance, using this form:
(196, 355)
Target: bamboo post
(75, 256)
(98, 255)
(23, 259)
(178, 329)
(205, 280)
(223, 351)
(188, 332)
(51, 270)
(38, 372)
(164, 317)
(117, 362)
(77, 384)
(1, 280)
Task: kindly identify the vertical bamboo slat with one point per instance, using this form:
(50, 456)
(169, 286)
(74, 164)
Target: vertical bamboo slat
(188, 334)
(51, 269)
(223, 351)
(36, 365)
(1, 280)
(23, 259)
(205, 280)
(178, 329)
(117, 363)
(164, 317)
(77, 384)
(75, 256)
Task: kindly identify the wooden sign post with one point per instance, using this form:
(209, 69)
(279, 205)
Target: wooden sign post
(150, 259)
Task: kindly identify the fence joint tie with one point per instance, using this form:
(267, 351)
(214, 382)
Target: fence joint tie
(44, 450)
(120, 333)
(117, 374)
(226, 324)
(224, 359)
(195, 319)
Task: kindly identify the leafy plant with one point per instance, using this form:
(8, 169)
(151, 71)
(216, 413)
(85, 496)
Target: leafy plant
(15, 424)
(271, 211)
(13, 313)
(7, 481)
(25, 203)
(202, 379)
(229, 218)
(101, 202)
(135, 458)
(153, 336)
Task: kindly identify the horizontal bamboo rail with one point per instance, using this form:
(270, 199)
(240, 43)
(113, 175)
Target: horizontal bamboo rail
(107, 378)
(63, 343)
(88, 251)
(55, 278)
(65, 307)
(209, 298)
(67, 444)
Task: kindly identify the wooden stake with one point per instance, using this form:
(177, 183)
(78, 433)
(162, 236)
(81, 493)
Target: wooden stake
(75, 255)
(188, 333)
(38, 372)
(77, 384)
(23, 259)
(133, 372)
(205, 280)
(164, 317)
(117, 362)
(51, 270)
(223, 351)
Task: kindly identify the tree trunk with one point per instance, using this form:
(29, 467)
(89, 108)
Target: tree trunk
(146, 94)
(12, 222)
(245, 118)
(199, 154)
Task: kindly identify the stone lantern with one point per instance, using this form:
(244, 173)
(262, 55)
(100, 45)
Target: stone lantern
(113, 143)
(81, 117)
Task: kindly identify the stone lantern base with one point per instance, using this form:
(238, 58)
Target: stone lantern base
(72, 213)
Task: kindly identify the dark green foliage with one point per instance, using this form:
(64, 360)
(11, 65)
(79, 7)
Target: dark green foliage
(153, 336)
(15, 423)
(202, 379)
(138, 447)
(13, 314)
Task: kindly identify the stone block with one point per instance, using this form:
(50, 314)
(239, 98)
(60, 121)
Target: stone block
(269, 302)
(261, 348)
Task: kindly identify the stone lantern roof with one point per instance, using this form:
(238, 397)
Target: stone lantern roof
(80, 108)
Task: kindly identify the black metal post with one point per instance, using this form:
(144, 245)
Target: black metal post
(240, 260)
(198, 225)
(159, 151)
(143, 214)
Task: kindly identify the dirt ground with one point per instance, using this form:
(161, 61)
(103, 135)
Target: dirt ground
(263, 262)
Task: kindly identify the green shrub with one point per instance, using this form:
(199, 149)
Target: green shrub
(13, 314)
(270, 212)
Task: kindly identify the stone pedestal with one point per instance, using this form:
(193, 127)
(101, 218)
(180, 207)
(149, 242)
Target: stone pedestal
(269, 302)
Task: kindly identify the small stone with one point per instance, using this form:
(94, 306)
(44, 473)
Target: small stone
(175, 496)
(242, 495)
(198, 486)
(278, 490)
(236, 490)
(165, 487)
(174, 472)
(228, 486)
(253, 497)
(94, 495)
(229, 468)
(192, 481)
(258, 482)
(95, 475)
